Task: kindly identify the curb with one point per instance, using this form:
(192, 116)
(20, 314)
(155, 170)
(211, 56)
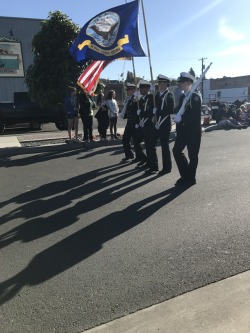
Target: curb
(56, 147)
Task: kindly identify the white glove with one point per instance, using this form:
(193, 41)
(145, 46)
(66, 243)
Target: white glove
(177, 118)
(154, 110)
(137, 126)
(138, 112)
(152, 88)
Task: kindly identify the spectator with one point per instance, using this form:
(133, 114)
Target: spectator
(102, 117)
(113, 113)
(231, 112)
(71, 108)
(87, 105)
(242, 116)
(248, 112)
(215, 104)
(223, 120)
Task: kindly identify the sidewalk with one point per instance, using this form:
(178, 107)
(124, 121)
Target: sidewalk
(222, 307)
(9, 141)
(12, 141)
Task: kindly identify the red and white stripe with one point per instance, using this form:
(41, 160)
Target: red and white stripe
(89, 78)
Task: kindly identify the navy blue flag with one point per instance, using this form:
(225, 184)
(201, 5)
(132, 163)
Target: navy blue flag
(110, 35)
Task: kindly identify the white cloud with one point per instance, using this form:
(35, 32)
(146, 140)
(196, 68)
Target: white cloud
(228, 32)
(235, 50)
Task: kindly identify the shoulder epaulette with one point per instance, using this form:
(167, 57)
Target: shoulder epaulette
(196, 95)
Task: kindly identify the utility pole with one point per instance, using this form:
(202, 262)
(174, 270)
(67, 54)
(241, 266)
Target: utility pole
(202, 69)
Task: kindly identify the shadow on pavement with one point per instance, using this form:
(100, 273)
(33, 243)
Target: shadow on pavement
(32, 155)
(84, 243)
(75, 188)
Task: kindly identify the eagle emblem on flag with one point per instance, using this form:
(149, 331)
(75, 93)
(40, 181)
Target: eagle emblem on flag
(104, 28)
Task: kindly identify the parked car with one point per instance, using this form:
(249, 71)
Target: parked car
(24, 110)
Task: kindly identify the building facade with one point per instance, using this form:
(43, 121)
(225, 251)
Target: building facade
(16, 35)
(227, 89)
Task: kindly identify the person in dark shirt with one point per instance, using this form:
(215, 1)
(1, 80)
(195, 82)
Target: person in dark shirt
(129, 112)
(188, 130)
(164, 101)
(102, 116)
(147, 123)
(87, 105)
(223, 120)
(215, 104)
(71, 108)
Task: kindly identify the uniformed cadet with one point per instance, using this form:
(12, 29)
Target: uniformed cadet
(164, 101)
(188, 132)
(131, 132)
(146, 106)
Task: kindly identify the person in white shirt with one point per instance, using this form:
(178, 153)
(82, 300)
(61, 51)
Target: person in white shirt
(113, 113)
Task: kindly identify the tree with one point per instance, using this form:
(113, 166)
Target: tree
(130, 77)
(53, 68)
(99, 88)
(173, 82)
(191, 71)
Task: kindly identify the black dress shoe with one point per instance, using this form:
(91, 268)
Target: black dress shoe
(163, 172)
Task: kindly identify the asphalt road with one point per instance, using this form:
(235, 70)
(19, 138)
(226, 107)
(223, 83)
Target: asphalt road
(85, 239)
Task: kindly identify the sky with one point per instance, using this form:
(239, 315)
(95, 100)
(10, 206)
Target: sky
(180, 34)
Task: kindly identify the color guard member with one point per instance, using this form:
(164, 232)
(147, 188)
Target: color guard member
(146, 106)
(164, 101)
(131, 132)
(188, 132)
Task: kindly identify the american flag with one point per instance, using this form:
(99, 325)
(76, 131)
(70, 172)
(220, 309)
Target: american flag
(89, 78)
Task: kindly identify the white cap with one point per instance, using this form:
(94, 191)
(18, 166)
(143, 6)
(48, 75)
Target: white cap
(144, 83)
(186, 77)
(163, 78)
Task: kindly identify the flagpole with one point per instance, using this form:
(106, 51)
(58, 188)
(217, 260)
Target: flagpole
(149, 57)
(133, 63)
(135, 81)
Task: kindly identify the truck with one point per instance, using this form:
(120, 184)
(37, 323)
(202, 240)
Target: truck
(25, 111)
